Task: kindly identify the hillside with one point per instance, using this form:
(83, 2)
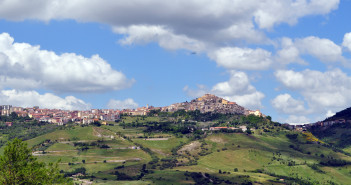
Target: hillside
(165, 149)
(344, 114)
(335, 130)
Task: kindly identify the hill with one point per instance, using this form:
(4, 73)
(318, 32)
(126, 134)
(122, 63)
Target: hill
(344, 114)
(218, 157)
(335, 130)
(181, 148)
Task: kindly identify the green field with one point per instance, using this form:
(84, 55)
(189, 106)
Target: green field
(265, 158)
(162, 147)
(120, 153)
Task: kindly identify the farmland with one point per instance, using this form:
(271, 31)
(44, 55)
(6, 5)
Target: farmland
(136, 151)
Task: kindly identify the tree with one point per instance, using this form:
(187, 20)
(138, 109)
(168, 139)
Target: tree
(97, 123)
(248, 131)
(19, 166)
(13, 115)
(269, 118)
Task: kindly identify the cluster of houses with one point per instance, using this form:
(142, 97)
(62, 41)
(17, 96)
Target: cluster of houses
(60, 117)
(330, 123)
(206, 103)
(323, 124)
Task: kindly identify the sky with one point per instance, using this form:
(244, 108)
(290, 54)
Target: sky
(291, 59)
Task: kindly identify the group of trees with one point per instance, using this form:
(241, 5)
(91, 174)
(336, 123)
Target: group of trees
(27, 130)
(19, 166)
(13, 117)
(195, 115)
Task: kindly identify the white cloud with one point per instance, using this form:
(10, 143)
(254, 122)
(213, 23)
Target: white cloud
(24, 66)
(242, 32)
(242, 58)
(249, 101)
(200, 91)
(297, 120)
(323, 49)
(329, 114)
(272, 12)
(190, 19)
(237, 89)
(141, 34)
(238, 83)
(289, 52)
(347, 41)
(288, 105)
(328, 91)
(125, 104)
(47, 100)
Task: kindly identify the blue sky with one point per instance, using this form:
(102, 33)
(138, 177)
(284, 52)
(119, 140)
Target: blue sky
(288, 58)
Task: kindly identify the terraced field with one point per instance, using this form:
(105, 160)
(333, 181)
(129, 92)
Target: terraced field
(113, 153)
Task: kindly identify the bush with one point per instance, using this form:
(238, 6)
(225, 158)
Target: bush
(291, 136)
(335, 162)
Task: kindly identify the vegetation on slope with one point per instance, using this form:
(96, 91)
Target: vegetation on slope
(178, 148)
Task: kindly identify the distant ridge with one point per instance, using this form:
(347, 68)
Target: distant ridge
(344, 114)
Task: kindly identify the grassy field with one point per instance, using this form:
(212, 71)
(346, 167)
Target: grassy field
(133, 119)
(114, 151)
(74, 134)
(162, 147)
(258, 156)
(67, 147)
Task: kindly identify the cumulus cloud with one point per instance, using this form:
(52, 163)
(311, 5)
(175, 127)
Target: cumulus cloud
(238, 83)
(122, 104)
(47, 100)
(242, 58)
(274, 12)
(141, 34)
(237, 89)
(191, 19)
(323, 91)
(288, 105)
(289, 52)
(200, 91)
(329, 114)
(250, 101)
(24, 66)
(323, 49)
(297, 120)
(347, 41)
(242, 32)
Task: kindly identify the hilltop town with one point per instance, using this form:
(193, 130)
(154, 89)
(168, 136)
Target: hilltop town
(206, 103)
